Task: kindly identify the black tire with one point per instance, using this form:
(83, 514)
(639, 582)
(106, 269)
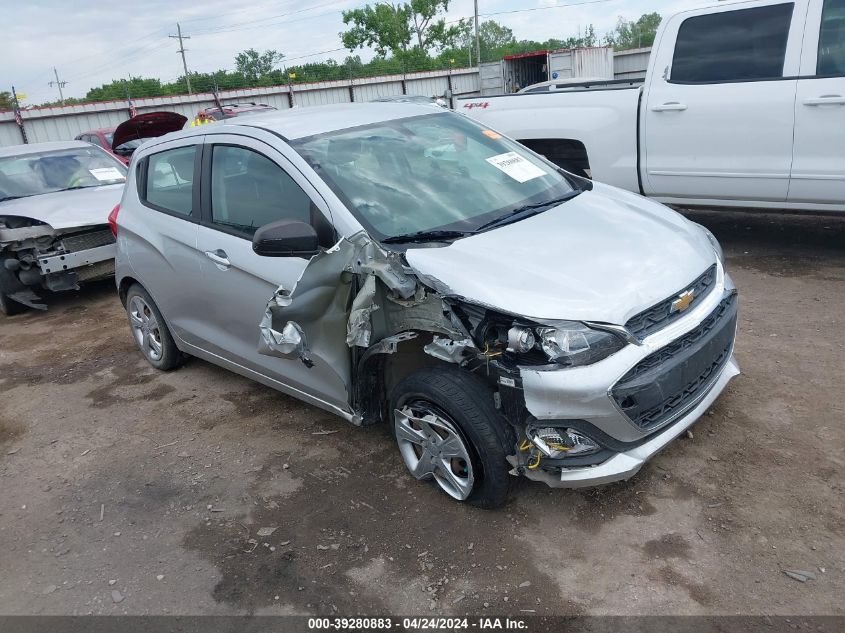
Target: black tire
(171, 357)
(8, 307)
(468, 401)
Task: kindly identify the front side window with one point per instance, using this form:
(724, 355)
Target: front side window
(170, 180)
(26, 175)
(248, 190)
(431, 172)
(744, 45)
(831, 59)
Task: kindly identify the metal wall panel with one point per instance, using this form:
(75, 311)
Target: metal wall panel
(631, 64)
(595, 61)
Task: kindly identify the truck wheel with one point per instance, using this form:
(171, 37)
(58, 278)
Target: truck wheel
(150, 330)
(449, 431)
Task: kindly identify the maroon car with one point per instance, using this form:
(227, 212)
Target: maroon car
(128, 136)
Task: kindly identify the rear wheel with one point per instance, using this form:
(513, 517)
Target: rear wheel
(150, 331)
(449, 432)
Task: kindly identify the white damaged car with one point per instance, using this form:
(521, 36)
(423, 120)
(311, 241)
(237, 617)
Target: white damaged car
(55, 200)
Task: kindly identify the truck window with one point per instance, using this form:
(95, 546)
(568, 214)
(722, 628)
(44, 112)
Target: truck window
(831, 59)
(743, 45)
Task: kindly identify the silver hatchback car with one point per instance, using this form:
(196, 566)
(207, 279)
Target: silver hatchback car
(392, 263)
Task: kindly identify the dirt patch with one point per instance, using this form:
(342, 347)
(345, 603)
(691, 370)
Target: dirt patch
(706, 527)
(698, 592)
(668, 546)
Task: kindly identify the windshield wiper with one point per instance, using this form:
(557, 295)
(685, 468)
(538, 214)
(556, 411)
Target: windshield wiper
(436, 235)
(11, 198)
(524, 211)
(75, 187)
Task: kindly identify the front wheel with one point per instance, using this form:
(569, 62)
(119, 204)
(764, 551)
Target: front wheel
(449, 431)
(8, 307)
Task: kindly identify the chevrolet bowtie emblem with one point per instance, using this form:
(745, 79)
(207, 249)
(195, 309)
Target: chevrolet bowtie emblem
(683, 301)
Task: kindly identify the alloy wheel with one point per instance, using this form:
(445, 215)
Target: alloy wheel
(145, 328)
(432, 447)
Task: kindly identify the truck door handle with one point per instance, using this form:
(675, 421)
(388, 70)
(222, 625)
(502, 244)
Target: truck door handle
(220, 259)
(825, 100)
(671, 106)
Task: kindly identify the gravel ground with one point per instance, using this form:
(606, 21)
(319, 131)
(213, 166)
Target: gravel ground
(125, 490)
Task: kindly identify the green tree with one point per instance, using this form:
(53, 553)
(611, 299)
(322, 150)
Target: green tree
(5, 100)
(394, 28)
(254, 65)
(637, 34)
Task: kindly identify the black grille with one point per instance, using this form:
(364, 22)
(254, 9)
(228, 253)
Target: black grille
(661, 314)
(85, 241)
(665, 382)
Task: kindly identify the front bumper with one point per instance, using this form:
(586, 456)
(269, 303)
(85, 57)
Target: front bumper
(626, 464)
(592, 399)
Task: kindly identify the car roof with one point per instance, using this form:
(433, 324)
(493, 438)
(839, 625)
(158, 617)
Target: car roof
(37, 148)
(297, 123)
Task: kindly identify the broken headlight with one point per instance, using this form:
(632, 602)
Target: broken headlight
(574, 344)
(567, 343)
(557, 442)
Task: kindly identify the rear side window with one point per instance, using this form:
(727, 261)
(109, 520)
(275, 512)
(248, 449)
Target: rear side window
(831, 60)
(744, 45)
(170, 180)
(248, 190)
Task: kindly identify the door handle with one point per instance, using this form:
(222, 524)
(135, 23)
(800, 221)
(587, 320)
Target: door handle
(672, 106)
(825, 100)
(219, 257)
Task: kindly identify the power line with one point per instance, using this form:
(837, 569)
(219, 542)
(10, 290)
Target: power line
(180, 37)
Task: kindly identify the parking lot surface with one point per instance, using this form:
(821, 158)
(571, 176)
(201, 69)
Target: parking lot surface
(126, 490)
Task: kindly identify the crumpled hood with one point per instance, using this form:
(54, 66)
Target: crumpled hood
(67, 209)
(603, 256)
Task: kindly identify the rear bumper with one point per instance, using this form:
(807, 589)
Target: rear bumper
(626, 464)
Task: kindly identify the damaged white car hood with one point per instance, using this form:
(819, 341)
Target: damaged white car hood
(67, 209)
(603, 256)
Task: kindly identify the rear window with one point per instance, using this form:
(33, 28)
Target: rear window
(170, 180)
(744, 45)
(831, 60)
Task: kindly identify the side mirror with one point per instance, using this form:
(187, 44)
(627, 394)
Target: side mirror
(286, 238)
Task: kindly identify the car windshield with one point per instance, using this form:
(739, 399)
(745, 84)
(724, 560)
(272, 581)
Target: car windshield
(431, 173)
(58, 170)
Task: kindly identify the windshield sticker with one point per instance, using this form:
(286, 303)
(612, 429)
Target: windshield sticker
(107, 173)
(491, 134)
(516, 166)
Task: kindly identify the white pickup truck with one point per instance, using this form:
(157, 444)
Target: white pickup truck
(743, 105)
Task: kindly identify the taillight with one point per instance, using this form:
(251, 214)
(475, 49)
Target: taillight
(113, 219)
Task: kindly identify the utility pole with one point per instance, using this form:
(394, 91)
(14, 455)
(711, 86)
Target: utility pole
(59, 85)
(181, 37)
(477, 39)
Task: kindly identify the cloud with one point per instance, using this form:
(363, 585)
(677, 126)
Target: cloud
(93, 42)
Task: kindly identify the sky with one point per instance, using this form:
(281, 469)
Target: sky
(91, 43)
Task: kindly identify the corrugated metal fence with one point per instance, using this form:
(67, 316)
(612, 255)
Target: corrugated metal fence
(64, 123)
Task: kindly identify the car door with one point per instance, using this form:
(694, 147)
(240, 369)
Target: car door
(161, 230)
(718, 113)
(818, 161)
(248, 184)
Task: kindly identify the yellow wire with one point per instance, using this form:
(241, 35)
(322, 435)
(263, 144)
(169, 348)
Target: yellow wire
(537, 463)
(525, 445)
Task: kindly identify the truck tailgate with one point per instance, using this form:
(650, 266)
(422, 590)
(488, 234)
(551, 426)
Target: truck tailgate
(603, 120)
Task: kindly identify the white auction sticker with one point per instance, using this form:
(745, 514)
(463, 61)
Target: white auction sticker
(516, 166)
(107, 173)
